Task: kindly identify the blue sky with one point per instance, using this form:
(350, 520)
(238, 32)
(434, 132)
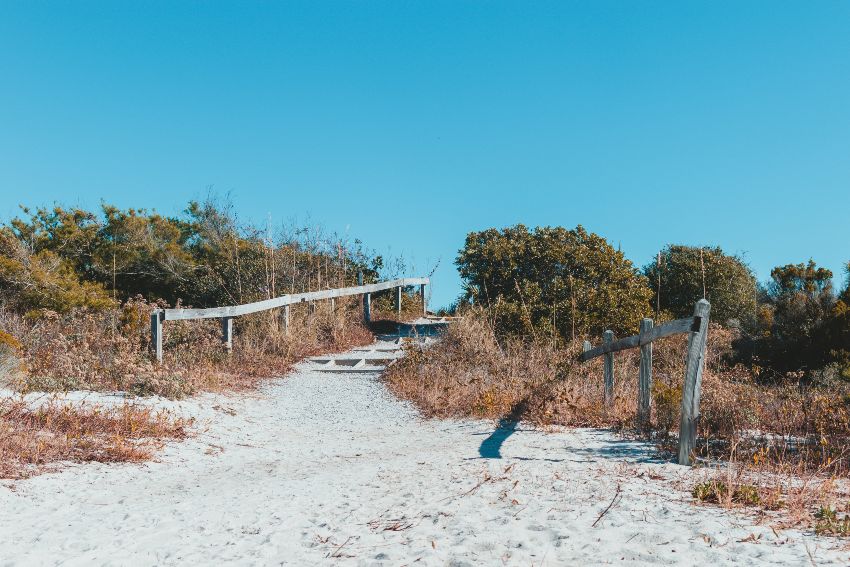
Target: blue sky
(409, 124)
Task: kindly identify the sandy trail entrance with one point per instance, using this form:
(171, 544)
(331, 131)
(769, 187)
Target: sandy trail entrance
(326, 468)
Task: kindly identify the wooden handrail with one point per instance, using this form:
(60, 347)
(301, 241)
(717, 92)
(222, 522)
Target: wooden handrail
(228, 312)
(289, 299)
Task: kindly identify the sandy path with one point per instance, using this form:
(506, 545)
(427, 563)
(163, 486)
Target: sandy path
(329, 468)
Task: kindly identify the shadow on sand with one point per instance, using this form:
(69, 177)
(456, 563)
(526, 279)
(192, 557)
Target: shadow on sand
(491, 448)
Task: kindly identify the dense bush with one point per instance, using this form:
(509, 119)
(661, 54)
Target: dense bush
(551, 280)
(43, 279)
(800, 324)
(686, 274)
(64, 258)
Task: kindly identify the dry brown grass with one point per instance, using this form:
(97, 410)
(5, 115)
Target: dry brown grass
(111, 350)
(470, 372)
(782, 446)
(36, 439)
(47, 352)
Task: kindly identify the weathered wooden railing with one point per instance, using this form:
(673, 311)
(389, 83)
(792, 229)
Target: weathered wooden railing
(697, 329)
(226, 314)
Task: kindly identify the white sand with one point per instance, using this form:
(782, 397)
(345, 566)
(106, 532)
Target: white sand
(329, 468)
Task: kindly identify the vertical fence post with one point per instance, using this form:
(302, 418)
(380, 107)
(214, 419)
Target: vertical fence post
(607, 339)
(693, 383)
(284, 319)
(227, 333)
(398, 301)
(424, 301)
(157, 318)
(367, 300)
(645, 378)
(586, 346)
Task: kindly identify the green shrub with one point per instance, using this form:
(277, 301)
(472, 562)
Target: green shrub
(730, 285)
(829, 523)
(717, 492)
(551, 279)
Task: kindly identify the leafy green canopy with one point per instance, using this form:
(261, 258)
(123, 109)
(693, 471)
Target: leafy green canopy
(552, 279)
(729, 283)
(61, 259)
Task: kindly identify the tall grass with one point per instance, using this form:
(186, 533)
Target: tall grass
(82, 350)
(785, 444)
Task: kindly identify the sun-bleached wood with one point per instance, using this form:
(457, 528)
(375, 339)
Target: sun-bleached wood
(227, 313)
(398, 291)
(692, 386)
(284, 319)
(227, 333)
(156, 334)
(422, 285)
(608, 338)
(367, 307)
(665, 330)
(645, 377)
(289, 299)
(697, 329)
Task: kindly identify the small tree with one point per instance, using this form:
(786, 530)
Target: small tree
(687, 272)
(799, 306)
(551, 279)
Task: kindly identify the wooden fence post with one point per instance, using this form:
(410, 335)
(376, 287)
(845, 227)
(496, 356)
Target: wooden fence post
(333, 307)
(398, 301)
(693, 383)
(607, 339)
(367, 300)
(284, 319)
(367, 307)
(424, 301)
(157, 318)
(586, 346)
(227, 333)
(645, 378)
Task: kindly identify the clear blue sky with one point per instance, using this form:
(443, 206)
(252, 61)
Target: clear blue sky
(409, 124)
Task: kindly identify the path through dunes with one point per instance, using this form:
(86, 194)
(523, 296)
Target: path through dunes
(327, 467)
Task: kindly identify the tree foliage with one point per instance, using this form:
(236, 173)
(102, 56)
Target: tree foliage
(60, 258)
(797, 315)
(730, 285)
(553, 279)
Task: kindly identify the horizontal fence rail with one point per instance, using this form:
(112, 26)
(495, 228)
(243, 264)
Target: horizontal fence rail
(227, 313)
(696, 328)
(289, 299)
(677, 327)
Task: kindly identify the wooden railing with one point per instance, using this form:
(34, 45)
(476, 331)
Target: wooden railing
(226, 314)
(697, 329)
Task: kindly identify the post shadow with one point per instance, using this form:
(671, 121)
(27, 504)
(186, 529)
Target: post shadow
(491, 447)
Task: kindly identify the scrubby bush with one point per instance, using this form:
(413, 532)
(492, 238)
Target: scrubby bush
(797, 312)
(686, 274)
(552, 281)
